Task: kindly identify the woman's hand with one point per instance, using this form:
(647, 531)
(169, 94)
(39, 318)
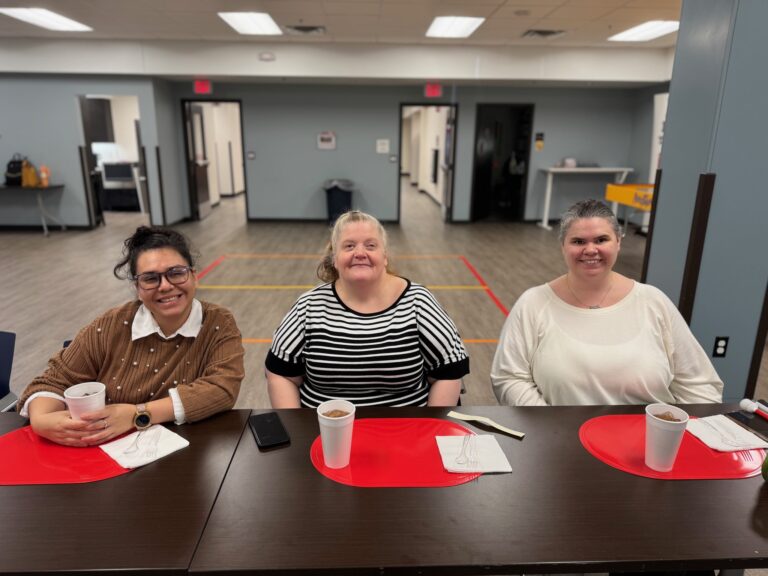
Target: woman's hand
(108, 423)
(59, 427)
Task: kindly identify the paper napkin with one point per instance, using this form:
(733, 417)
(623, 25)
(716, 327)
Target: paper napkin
(482, 454)
(144, 446)
(723, 434)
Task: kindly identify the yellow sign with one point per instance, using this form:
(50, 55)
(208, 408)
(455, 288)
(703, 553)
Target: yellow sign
(638, 196)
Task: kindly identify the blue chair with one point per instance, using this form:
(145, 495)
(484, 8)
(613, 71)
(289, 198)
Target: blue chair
(7, 344)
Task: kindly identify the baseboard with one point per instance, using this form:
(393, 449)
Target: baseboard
(39, 229)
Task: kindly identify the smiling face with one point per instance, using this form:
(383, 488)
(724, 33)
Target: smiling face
(169, 304)
(360, 255)
(590, 247)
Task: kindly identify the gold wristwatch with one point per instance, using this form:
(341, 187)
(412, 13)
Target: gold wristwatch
(143, 418)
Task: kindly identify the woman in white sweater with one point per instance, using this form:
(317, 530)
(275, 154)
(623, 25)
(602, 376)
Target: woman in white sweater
(594, 336)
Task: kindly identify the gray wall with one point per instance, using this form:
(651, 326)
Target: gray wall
(588, 124)
(281, 123)
(172, 155)
(716, 125)
(700, 60)
(40, 118)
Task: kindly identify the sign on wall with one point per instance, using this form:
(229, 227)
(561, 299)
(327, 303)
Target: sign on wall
(326, 140)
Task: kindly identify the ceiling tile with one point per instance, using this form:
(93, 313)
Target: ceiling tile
(367, 8)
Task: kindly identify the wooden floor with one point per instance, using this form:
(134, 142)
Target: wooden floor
(53, 286)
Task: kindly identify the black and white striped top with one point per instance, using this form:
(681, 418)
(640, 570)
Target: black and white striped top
(377, 359)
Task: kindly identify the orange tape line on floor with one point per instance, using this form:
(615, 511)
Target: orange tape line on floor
(466, 341)
(310, 286)
(273, 256)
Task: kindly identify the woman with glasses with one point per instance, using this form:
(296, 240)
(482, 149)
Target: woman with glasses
(163, 357)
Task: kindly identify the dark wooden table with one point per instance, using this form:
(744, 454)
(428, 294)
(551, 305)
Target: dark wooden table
(561, 510)
(145, 522)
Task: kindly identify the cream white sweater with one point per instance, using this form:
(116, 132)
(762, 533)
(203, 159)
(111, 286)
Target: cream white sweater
(637, 351)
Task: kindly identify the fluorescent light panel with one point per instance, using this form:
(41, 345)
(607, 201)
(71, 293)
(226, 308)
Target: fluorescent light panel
(253, 23)
(647, 31)
(45, 19)
(454, 26)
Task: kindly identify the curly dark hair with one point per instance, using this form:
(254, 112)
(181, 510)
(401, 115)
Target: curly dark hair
(151, 238)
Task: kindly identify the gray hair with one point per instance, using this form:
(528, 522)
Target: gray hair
(325, 270)
(588, 209)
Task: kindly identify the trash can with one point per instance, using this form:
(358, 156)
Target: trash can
(338, 194)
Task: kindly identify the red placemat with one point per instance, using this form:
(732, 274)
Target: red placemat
(619, 441)
(29, 459)
(395, 452)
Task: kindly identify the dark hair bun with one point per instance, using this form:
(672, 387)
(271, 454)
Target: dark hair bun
(151, 238)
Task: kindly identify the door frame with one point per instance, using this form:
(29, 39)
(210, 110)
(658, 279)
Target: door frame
(185, 137)
(452, 182)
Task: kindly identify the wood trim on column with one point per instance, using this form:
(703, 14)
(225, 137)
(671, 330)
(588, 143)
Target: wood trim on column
(160, 184)
(649, 235)
(87, 187)
(696, 244)
(759, 350)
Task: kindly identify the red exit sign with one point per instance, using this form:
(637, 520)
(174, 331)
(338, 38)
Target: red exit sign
(432, 90)
(203, 87)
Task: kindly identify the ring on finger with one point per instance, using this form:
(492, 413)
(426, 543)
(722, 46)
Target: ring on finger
(106, 424)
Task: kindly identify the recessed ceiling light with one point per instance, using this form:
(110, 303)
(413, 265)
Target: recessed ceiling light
(45, 19)
(648, 31)
(453, 26)
(254, 23)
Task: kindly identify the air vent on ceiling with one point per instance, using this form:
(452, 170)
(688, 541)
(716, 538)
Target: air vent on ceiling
(304, 30)
(534, 33)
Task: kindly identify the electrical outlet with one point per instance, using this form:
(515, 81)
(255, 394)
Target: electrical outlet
(721, 346)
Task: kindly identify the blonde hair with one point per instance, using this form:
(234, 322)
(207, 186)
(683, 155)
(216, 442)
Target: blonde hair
(326, 271)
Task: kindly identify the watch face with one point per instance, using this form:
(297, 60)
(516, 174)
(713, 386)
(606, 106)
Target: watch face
(142, 420)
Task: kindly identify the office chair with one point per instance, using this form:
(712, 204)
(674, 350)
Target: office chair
(7, 344)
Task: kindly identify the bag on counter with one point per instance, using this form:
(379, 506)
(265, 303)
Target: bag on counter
(13, 171)
(29, 177)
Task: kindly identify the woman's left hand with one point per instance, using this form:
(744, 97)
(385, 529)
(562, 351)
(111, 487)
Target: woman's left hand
(108, 423)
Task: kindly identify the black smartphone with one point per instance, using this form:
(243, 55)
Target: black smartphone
(268, 430)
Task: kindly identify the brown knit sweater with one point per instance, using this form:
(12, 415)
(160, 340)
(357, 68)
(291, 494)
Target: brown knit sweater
(206, 370)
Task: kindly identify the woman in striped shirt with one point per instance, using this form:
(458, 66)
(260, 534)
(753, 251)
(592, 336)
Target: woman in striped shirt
(366, 335)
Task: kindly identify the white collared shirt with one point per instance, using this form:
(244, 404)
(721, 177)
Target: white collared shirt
(145, 324)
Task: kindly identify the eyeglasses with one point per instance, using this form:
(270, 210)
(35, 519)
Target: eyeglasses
(175, 275)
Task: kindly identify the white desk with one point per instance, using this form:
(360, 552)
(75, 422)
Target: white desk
(620, 176)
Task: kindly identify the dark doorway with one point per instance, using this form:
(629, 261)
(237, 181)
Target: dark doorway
(501, 161)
